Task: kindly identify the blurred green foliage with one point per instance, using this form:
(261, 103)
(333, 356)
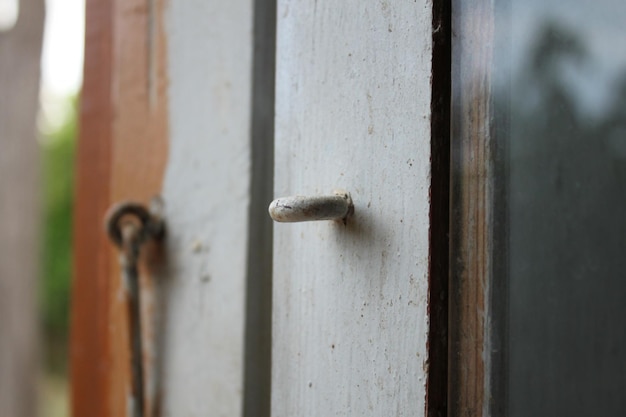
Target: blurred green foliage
(58, 149)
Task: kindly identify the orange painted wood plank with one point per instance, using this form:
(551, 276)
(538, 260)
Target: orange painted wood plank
(121, 155)
(139, 152)
(89, 350)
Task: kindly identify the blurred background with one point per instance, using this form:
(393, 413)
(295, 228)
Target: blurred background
(566, 138)
(45, 174)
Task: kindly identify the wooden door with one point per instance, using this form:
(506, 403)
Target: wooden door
(358, 307)
(179, 101)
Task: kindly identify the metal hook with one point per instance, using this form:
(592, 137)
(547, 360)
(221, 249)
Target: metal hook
(129, 225)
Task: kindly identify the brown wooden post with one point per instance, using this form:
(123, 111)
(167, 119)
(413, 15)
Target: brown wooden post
(121, 155)
(90, 338)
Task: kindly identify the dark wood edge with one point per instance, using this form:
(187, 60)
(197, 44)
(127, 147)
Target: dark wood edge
(437, 383)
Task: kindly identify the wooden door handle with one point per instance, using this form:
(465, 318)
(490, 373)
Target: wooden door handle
(307, 208)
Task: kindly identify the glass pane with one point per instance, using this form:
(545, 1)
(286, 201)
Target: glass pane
(539, 207)
(563, 85)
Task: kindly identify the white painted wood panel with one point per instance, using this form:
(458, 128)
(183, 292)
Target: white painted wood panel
(350, 323)
(207, 196)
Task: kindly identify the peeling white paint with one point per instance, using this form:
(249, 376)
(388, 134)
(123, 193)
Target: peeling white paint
(350, 301)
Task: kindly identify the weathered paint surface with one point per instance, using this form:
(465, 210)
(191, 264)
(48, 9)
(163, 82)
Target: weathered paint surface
(207, 193)
(350, 321)
(166, 110)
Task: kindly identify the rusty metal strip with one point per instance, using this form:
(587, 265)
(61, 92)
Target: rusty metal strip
(129, 225)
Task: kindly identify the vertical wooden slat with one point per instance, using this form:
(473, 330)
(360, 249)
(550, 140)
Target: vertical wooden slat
(473, 204)
(351, 302)
(90, 337)
(439, 262)
(121, 155)
(138, 159)
(207, 192)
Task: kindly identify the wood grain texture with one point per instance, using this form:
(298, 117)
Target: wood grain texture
(207, 200)
(20, 52)
(353, 110)
(472, 208)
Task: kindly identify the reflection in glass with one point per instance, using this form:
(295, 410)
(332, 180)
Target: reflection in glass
(563, 87)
